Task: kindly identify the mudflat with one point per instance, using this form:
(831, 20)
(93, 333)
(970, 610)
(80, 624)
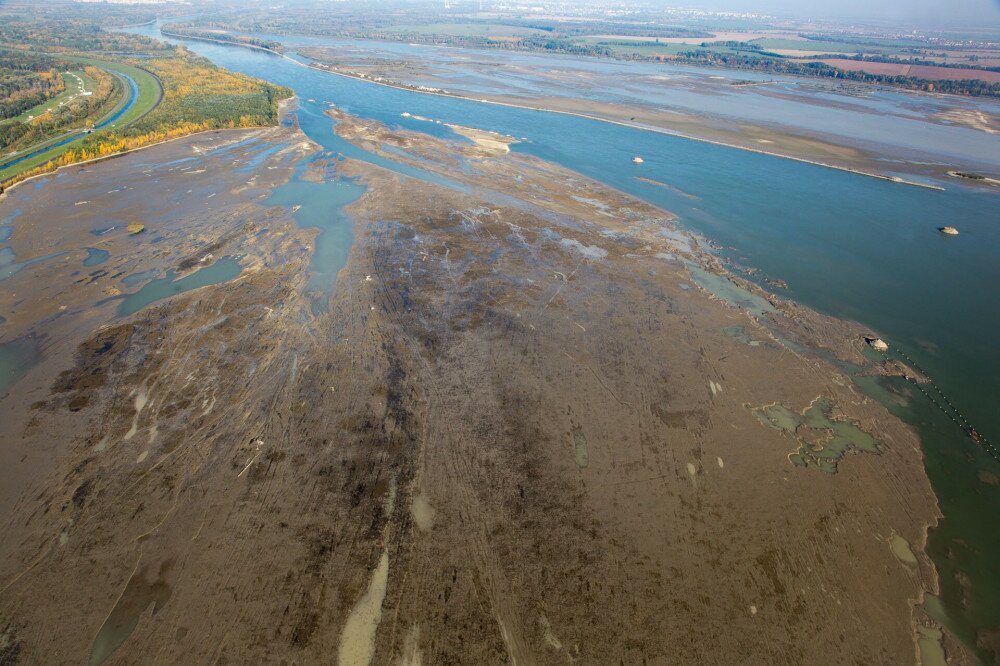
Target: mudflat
(531, 421)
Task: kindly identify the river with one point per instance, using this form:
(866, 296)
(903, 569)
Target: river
(849, 246)
(882, 120)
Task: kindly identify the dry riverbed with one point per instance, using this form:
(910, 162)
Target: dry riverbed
(536, 423)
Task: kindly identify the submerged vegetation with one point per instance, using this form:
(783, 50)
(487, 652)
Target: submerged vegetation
(822, 439)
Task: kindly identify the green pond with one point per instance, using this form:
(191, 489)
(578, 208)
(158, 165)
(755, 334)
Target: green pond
(223, 270)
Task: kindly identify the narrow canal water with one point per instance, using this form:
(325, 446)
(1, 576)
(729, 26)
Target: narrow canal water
(133, 92)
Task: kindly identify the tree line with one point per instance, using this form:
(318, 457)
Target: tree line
(15, 135)
(762, 63)
(181, 30)
(26, 80)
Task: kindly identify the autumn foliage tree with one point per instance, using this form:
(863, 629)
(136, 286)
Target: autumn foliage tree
(197, 97)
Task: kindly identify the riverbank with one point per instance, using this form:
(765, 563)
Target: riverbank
(202, 38)
(553, 108)
(139, 101)
(142, 103)
(284, 106)
(10, 188)
(534, 350)
(817, 237)
(606, 119)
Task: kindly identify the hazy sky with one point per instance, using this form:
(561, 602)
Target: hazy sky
(914, 11)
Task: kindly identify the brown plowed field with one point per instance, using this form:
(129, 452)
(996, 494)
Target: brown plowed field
(928, 72)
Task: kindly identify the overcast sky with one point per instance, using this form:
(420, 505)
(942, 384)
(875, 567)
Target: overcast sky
(913, 11)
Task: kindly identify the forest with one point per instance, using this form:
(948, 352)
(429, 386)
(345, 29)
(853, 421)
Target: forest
(196, 94)
(17, 134)
(63, 35)
(26, 80)
(192, 32)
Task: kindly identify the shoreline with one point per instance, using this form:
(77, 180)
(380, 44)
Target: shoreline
(646, 128)
(168, 327)
(659, 130)
(102, 158)
(83, 132)
(914, 618)
(956, 642)
(612, 58)
(216, 41)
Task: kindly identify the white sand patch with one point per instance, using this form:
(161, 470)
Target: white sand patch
(929, 642)
(901, 549)
(494, 143)
(422, 512)
(547, 633)
(411, 648)
(357, 641)
(589, 251)
(139, 403)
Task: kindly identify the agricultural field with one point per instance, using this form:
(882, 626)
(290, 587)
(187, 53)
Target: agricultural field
(979, 58)
(467, 30)
(698, 38)
(927, 72)
(820, 46)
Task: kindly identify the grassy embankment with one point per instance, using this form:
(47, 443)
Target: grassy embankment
(147, 98)
(197, 96)
(76, 82)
